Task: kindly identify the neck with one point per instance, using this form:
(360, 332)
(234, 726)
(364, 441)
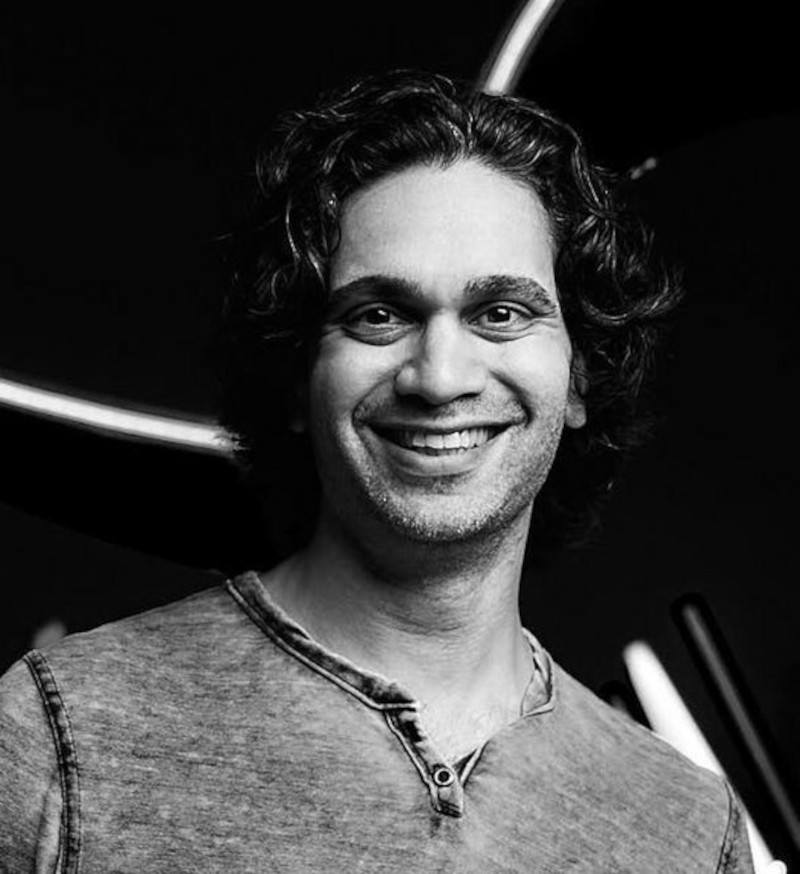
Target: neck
(440, 619)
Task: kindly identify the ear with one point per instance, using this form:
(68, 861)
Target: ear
(578, 384)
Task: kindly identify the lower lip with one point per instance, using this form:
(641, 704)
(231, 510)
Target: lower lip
(448, 463)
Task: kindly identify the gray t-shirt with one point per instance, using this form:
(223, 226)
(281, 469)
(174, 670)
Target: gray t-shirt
(214, 735)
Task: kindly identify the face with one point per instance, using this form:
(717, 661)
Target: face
(441, 383)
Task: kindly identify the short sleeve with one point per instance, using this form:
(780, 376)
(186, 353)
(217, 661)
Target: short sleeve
(735, 857)
(30, 783)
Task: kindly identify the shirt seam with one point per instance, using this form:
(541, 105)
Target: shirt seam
(67, 758)
(727, 840)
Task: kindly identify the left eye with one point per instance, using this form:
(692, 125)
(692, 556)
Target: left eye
(504, 317)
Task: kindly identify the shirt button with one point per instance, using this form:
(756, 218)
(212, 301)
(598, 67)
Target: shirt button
(442, 775)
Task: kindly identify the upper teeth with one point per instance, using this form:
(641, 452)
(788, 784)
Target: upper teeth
(451, 440)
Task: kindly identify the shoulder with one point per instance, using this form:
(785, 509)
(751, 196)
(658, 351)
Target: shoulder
(174, 631)
(608, 735)
(624, 747)
(152, 656)
(661, 802)
(77, 696)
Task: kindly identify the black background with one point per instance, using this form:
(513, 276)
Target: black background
(129, 141)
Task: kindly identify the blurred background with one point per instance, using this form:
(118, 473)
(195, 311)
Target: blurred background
(127, 153)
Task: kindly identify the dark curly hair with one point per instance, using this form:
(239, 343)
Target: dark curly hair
(615, 298)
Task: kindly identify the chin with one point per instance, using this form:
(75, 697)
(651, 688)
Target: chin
(435, 531)
(443, 525)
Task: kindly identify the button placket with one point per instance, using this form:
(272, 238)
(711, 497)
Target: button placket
(447, 793)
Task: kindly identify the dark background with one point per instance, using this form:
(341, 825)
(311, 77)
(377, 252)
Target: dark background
(127, 149)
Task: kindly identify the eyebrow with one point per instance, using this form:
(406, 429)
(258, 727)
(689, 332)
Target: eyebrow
(483, 287)
(501, 285)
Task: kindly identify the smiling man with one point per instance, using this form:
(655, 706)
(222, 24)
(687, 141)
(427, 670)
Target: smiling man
(439, 388)
(439, 334)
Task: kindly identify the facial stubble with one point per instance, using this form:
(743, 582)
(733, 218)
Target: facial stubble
(442, 510)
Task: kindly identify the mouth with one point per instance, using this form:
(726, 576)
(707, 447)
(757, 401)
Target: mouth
(439, 443)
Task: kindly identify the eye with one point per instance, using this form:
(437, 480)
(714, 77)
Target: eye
(375, 323)
(504, 318)
(375, 316)
(500, 315)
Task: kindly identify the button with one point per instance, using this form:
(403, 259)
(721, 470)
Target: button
(442, 775)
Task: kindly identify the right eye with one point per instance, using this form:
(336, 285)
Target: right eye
(375, 322)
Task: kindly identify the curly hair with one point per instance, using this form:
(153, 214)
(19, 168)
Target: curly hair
(615, 297)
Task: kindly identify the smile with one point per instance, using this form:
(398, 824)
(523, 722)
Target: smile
(439, 443)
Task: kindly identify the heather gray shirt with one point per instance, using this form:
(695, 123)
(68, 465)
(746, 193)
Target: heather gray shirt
(214, 735)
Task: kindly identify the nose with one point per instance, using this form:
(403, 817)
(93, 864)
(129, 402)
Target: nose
(445, 363)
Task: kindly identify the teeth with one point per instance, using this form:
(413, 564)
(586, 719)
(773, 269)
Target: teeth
(466, 439)
(452, 441)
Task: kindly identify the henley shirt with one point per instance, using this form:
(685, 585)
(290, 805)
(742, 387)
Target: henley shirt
(214, 734)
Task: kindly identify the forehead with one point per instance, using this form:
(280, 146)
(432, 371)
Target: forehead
(444, 227)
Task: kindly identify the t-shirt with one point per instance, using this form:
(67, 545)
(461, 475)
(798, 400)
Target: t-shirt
(213, 734)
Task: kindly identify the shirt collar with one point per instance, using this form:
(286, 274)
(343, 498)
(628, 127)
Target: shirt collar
(372, 689)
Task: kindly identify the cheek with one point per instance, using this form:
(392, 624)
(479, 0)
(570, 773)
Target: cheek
(344, 374)
(538, 370)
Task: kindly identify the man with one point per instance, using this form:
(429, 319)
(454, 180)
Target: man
(439, 297)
